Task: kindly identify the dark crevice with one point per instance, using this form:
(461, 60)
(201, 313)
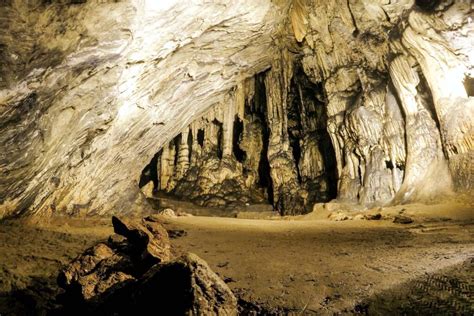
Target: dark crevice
(190, 144)
(259, 109)
(389, 164)
(469, 86)
(427, 5)
(239, 154)
(150, 173)
(177, 142)
(220, 144)
(200, 137)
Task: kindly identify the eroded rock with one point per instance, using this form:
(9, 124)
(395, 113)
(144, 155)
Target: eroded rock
(119, 278)
(186, 286)
(147, 237)
(401, 219)
(94, 272)
(138, 245)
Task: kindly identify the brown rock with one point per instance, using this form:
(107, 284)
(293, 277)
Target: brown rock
(94, 272)
(186, 286)
(148, 238)
(400, 219)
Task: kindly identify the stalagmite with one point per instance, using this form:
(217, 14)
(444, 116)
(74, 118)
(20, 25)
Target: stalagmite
(445, 73)
(166, 166)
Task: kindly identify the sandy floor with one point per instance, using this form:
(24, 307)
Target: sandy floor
(305, 265)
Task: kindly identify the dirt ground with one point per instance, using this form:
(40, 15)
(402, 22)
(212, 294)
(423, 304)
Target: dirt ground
(301, 266)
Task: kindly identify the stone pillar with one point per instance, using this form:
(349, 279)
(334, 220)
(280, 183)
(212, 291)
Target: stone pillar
(183, 155)
(228, 124)
(288, 196)
(445, 72)
(426, 173)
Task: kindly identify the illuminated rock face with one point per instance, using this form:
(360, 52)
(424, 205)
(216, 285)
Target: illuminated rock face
(399, 113)
(91, 91)
(368, 99)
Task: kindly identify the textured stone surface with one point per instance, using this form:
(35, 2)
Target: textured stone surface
(186, 286)
(147, 237)
(102, 269)
(118, 277)
(92, 91)
(393, 74)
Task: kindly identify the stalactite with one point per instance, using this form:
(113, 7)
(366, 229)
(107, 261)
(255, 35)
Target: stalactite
(229, 113)
(289, 197)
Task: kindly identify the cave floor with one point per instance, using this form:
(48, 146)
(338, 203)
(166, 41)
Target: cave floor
(300, 265)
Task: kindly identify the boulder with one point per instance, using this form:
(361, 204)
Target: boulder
(186, 286)
(167, 212)
(109, 265)
(94, 272)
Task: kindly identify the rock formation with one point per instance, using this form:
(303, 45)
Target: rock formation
(293, 102)
(135, 273)
(239, 152)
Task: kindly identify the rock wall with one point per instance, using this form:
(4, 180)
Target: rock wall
(262, 144)
(90, 91)
(369, 101)
(397, 78)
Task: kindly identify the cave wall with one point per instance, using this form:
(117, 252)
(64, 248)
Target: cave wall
(367, 100)
(399, 114)
(90, 91)
(263, 144)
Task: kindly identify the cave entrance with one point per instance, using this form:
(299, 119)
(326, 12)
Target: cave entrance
(150, 173)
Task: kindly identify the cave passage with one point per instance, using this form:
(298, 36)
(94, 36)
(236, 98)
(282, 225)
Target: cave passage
(222, 159)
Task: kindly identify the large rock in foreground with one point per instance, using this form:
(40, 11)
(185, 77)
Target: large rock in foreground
(134, 275)
(108, 266)
(186, 286)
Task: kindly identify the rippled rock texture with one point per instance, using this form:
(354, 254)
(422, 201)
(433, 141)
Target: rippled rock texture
(237, 101)
(92, 89)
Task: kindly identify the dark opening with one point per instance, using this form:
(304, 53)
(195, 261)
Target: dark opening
(239, 154)
(259, 108)
(469, 85)
(190, 144)
(295, 128)
(200, 137)
(219, 148)
(309, 98)
(389, 164)
(427, 5)
(177, 142)
(150, 172)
